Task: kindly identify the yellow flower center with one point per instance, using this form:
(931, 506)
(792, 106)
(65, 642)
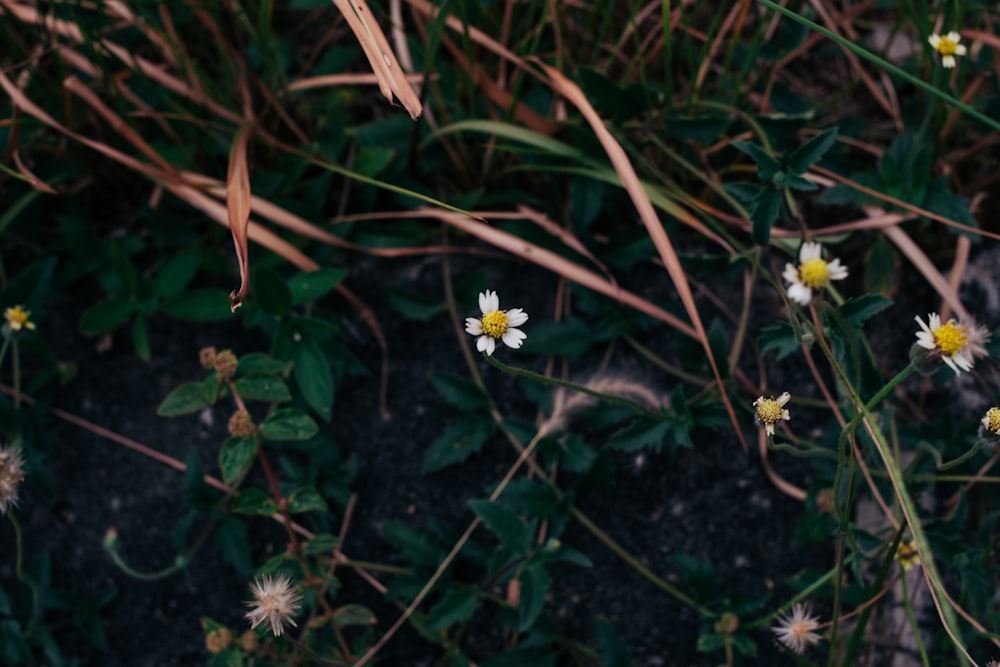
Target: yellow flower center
(495, 324)
(993, 420)
(18, 318)
(947, 47)
(814, 272)
(769, 411)
(950, 337)
(907, 555)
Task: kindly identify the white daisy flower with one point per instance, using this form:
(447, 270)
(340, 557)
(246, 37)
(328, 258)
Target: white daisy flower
(948, 46)
(957, 344)
(496, 324)
(812, 273)
(770, 411)
(797, 629)
(274, 601)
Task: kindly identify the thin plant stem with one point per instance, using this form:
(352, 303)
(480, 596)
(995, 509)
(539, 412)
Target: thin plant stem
(908, 604)
(19, 545)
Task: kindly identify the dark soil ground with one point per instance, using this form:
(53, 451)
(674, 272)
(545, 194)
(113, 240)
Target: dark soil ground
(713, 502)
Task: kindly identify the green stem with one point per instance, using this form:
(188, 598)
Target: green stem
(111, 546)
(908, 604)
(18, 544)
(538, 377)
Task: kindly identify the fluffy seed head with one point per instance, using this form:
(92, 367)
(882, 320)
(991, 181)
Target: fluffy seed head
(274, 601)
(11, 476)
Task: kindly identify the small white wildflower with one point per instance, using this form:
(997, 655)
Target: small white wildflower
(496, 324)
(989, 428)
(17, 318)
(11, 476)
(812, 273)
(797, 629)
(956, 344)
(948, 46)
(274, 601)
(770, 411)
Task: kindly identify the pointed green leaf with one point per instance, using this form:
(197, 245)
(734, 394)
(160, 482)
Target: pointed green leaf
(106, 315)
(314, 377)
(534, 584)
(780, 337)
(505, 524)
(766, 207)
(459, 391)
(455, 605)
(810, 152)
(254, 501)
(641, 433)
(199, 305)
(312, 285)
(288, 424)
(262, 388)
(260, 363)
(767, 166)
(458, 442)
(855, 311)
(353, 614)
(183, 400)
(306, 499)
(236, 456)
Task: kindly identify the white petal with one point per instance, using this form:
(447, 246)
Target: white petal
(473, 326)
(516, 317)
(926, 340)
(785, 415)
(960, 50)
(784, 398)
(513, 338)
(485, 298)
(769, 429)
(948, 62)
(955, 37)
(491, 344)
(810, 251)
(934, 40)
(837, 270)
(922, 325)
(951, 363)
(791, 273)
(933, 322)
(483, 342)
(800, 293)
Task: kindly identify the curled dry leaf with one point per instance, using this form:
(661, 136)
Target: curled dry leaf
(238, 207)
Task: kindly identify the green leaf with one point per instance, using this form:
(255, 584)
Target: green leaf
(262, 388)
(766, 207)
(314, 378)
(643, 432)
(458, 442)
(183, 400)
(800, 183)
(306, 499)
(353, 614)
(313, 285)
(810, 152)
(455, 605)
(231, 539)
(236, 456)
(614, 652)
(199, 305)
(505, 524)
(414, 305)
(534, 584)
(780, 337)
(288, 424)
(767, 166)
(271, 291)
(372, 161)
(320, 543)
(461, 392)
(260, 363)
(106, 315)
(177, 273)
(855, 311)
(254, 501)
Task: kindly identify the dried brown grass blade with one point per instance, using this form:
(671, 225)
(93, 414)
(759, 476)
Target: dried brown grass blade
(553, 262)
(330, 80)
(238, 209)
(926, 267)
(391, 80)
(33, 180)
(647, 214)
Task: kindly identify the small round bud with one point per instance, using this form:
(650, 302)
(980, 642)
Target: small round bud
(249, 641)
(207, 357)
(727, 624)
(218, 640)
(225, 364)
(241, 425)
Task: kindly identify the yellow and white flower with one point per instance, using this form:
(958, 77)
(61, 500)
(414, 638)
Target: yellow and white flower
(496, 324)
(812, 273)
(770, 411)
(957, 344)
(797, 629)
(17, 318)
(948, 46)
